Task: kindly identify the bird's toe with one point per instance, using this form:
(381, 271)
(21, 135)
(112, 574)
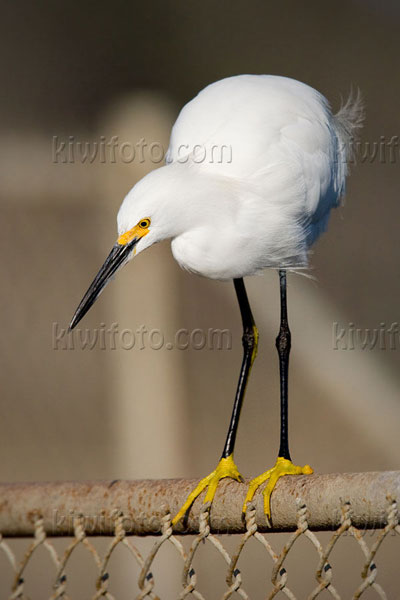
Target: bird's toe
(282, 467)
(225, 468)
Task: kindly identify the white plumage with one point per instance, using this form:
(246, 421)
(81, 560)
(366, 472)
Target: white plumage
(254, 166)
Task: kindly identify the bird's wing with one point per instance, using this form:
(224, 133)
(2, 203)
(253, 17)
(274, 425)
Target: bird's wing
(244, 126)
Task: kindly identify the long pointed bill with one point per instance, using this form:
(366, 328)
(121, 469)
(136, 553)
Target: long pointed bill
(117, 257)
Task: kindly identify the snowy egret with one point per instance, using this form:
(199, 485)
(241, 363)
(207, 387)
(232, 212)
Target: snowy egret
(263, 206)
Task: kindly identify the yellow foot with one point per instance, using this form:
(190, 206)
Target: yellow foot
(225, 468)
(282, 467)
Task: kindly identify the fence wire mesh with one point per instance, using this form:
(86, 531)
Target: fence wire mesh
(276, 576)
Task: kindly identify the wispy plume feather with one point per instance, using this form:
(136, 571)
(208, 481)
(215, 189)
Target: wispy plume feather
(349, 120)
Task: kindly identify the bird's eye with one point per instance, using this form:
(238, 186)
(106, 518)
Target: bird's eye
(144, 224)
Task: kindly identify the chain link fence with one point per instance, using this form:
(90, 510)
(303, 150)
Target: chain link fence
(341, 508)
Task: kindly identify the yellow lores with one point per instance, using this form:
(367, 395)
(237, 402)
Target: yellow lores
(139, 231)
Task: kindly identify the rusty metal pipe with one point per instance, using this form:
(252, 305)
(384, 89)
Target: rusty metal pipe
(144, 502)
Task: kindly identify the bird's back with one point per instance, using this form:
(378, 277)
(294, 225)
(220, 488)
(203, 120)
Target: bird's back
(275, 135)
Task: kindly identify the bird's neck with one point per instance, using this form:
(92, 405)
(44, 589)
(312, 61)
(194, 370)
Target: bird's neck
(195, 197)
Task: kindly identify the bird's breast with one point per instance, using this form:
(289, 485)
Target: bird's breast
(232, 253)
(196, 251)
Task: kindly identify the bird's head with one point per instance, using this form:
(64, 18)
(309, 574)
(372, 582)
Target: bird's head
(147, 215)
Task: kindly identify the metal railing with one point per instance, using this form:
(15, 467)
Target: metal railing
(347, 505)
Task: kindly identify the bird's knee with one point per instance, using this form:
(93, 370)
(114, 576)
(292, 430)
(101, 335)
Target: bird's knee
(283, 341)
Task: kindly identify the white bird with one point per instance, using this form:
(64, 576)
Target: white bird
(254, 167)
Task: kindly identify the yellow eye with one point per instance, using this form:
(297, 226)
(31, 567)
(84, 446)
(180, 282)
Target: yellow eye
(144, 223)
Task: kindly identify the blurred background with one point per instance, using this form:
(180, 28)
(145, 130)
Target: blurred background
(81, 73)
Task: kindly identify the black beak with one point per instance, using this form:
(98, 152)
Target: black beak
(117, 257)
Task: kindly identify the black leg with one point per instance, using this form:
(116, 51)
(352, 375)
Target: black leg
(250, 340)
(283, 343)
(283, 465)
